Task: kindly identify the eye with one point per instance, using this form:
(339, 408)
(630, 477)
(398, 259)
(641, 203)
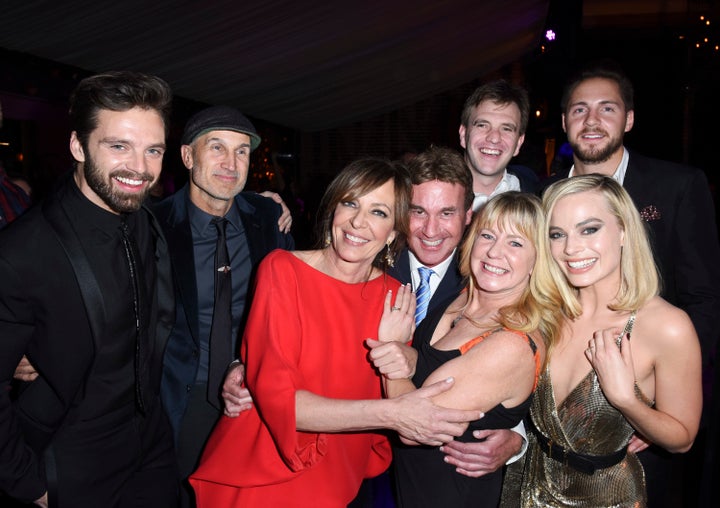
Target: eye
(515, 243)
(448, 214)
(380, 213)
(216, 147)
(480, 124)
(118, 146)
(349, 204)
(156, 152)
(487, 236)
(556, 235)
(590, 230)
(241, 152)
(417, 212)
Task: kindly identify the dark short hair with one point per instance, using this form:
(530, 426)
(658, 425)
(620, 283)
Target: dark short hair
(503, 93)
(117, 91)
(445, 165)
(357, 179)
(604, 69)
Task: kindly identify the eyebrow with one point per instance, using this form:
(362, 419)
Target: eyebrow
(588, 221)
(111, 141)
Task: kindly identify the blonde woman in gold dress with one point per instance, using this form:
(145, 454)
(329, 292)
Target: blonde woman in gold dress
(626, 362)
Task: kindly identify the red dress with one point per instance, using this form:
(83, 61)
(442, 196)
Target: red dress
(306, 331)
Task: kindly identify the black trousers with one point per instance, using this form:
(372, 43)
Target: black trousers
(121, 460)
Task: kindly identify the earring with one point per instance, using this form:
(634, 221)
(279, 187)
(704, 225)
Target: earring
(328, 240)
(389, 258)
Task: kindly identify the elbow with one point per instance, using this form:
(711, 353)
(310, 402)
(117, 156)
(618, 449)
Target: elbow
(681, 447)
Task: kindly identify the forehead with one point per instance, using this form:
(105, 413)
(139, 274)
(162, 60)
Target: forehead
(580, 205)
(144, 124)
(445, 193)
(228, 137)
(490, 108)
(596, 89)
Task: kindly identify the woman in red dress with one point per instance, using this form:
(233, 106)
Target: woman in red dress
(311, 436)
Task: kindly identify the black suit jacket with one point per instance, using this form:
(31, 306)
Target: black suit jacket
(675, 201)
(47, 314)
(450, 285)
(259, 216)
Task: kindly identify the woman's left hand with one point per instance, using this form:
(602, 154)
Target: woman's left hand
(613, 366)
(398, 319)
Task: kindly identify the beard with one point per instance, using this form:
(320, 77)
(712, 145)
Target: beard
(596, 155)
(118, 201)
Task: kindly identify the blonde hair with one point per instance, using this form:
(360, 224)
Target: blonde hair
(639, 279)
(523, 213)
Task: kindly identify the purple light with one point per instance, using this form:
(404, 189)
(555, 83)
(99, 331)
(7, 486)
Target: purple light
(550, 35)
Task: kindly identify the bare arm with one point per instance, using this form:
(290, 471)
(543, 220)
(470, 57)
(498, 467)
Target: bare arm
(413, 416)
(673, 422)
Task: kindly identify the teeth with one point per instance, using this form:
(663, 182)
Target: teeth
(494, 269)
(433, 243)
(490, 151)
(355, 238)
(128, 181)
(581, 264)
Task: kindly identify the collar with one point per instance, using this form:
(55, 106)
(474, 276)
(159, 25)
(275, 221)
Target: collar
(440, 269)
(200, 221)
(509, 182)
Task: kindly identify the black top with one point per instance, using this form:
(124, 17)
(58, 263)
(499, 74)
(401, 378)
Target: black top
(423, 479)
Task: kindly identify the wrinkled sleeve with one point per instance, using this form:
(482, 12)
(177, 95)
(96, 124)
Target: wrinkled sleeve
(271, 351)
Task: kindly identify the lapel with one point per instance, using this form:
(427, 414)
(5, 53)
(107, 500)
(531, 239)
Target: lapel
(180, 243)
(450, 285)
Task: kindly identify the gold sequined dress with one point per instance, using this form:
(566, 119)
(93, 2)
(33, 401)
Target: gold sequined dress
(585, 423)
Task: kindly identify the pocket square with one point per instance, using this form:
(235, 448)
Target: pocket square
(650, 213)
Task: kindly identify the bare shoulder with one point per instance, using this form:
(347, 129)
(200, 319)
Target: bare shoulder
(664, 323)
(508, 344)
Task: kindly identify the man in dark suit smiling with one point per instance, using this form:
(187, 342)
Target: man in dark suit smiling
(216, 146)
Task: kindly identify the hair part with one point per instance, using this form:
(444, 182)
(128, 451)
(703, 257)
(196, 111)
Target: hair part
(117, 91)
(357, 179)
(502, 93)
(639, 278)
(444, 165)
(602, 69)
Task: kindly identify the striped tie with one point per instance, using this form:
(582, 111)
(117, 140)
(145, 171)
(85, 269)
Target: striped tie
(423, 294)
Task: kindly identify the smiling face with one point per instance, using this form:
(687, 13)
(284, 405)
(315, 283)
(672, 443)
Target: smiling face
(596, 120)
(361, 227)
(122, 159)
(218, 162)
(586, 239)
(437, 220)
(491, 139)
(502, 260)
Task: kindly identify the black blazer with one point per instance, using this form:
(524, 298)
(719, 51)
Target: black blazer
(450, 285)
(675, 201)
(47, 314)
(259, 216)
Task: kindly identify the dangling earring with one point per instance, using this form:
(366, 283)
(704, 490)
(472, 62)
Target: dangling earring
(389, 258)
(328, 240)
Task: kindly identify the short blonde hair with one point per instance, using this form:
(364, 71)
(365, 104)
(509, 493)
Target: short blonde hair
(639, 279)
(523, 213)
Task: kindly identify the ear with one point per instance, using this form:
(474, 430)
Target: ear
(629, 120)
(76, 148)
(462, 131)
(521, 139)
(391, 238)
(468, 216)
(563, 123)
(186, 153)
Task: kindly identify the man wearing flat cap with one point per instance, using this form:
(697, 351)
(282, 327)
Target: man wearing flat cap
(217, 235)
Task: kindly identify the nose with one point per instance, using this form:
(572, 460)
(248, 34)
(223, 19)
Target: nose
(495, 250)
(493, 135)
(358, 220)
(572, 245)
(228, 162)
(431, 226)
(591, 118)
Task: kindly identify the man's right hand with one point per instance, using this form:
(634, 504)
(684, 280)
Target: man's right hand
(25, 371)
(43, 501)
(237, 399)
(420, 421)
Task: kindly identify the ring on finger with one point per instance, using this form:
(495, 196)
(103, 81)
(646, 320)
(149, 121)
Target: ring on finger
(395, 308)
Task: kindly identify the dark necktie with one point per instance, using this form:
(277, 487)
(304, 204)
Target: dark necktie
(132, 255)
(221, 329)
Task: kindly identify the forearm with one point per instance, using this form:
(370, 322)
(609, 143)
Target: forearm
(396, 387)
(661, 428)
(314, 413)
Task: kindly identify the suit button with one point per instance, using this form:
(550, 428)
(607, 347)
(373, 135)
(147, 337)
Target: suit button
(188, 388)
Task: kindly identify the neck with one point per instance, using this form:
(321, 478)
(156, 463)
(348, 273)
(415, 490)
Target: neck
(208, 204)
(351, 272)
(486, 184)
